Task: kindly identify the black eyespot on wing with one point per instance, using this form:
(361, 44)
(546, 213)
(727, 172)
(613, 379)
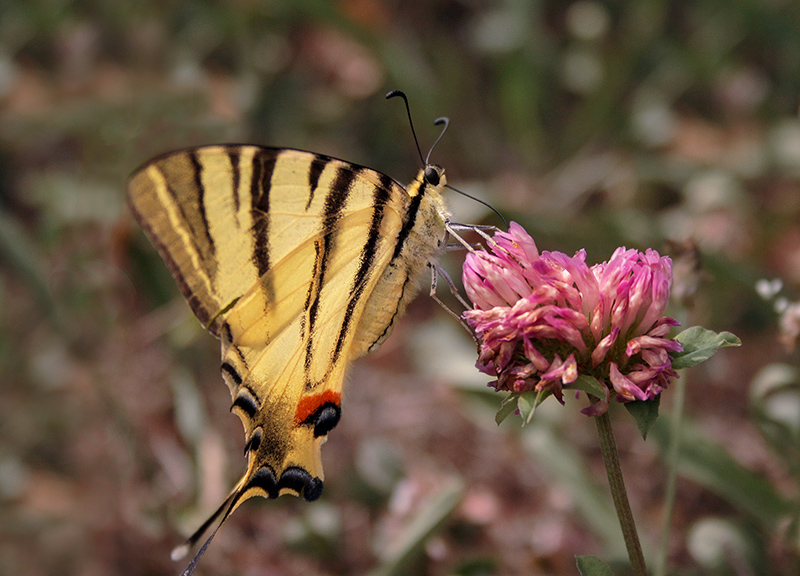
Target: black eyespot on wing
(246, 403)
(328, 418)
(431, 176)
(264, 478)
(254, 442)
(228, 369)
(325, 418)
(293, 478)
(313, 490)
(299, 480)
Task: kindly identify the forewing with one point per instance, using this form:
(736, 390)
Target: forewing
(277, 252)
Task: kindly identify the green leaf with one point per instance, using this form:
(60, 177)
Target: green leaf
(645, 413)
(699, 345)
(592, 566)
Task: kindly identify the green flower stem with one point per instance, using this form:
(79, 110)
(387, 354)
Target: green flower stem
(611, 458)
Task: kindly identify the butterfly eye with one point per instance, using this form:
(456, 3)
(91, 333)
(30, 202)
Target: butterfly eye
(431, 176)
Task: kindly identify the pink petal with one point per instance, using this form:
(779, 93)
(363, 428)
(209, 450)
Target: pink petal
(602, 348)
(531, 353)
(518, 243)
(623, 386)
(599, 407)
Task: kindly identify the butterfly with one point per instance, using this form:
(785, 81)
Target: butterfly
(298, 263)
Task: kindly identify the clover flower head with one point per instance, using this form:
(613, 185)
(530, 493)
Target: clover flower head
(544, 319)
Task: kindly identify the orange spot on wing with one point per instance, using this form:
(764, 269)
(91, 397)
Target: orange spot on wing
(310, 404)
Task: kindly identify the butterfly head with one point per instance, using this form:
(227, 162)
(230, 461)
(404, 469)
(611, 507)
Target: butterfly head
(433, 175)
(430, 182)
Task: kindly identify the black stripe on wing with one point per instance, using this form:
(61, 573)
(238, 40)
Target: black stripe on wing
(380, 196)
(182, 176)
(195, 303)
(234, 154)
(410, 219)
(205, 229)
(318, 164)
(260, 184)
(332, 212)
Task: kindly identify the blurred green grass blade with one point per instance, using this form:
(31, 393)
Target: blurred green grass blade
(591, 500)
(775, 405)
(711, 540)
(710, 465)
(22, 255)
(430, 520)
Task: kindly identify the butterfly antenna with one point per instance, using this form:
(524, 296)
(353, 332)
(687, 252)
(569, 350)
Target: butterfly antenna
(402, 95)
(479, 201)
(443, 120)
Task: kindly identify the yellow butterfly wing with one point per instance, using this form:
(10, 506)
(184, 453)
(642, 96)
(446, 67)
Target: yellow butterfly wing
(299, 263)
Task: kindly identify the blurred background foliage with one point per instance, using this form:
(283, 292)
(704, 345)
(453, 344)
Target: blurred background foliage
(594, 123)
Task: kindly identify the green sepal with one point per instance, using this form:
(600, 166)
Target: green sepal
(590, 385)
(592, 566)
(645, 412)
(507, 407)
(524, 402)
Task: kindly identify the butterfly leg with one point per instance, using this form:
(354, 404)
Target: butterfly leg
(439, 271)
(436, 270)
(479, 228)
(452, 229)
